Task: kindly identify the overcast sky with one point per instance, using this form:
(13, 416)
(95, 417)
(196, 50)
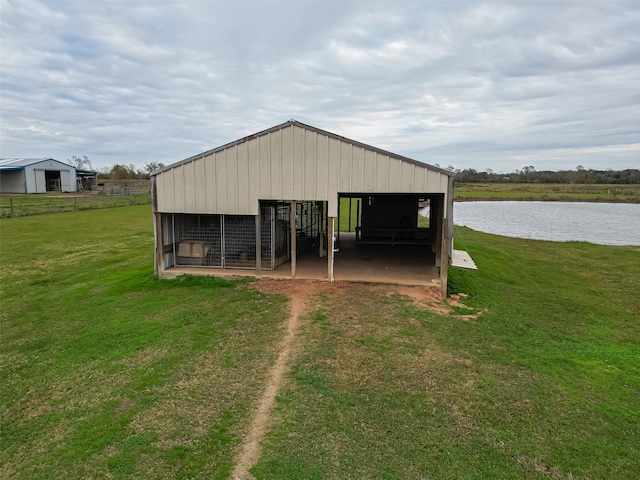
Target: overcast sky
(495, 85)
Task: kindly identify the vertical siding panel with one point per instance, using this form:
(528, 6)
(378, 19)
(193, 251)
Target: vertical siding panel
(322, 166)
(382, 173)
(253, 163)
(444, 183)
(310, 165)
(298, 163)
(160, 192)
(200, 191)
(418, 179)
(178, 188)
(345, 167)
(334, 166)
(168, 191)
(407, 177)
(276, 164)
(265, 167)
(221, 181)
(394, 175)
(287, 163)
(231, 158)
(357, 169)
(244, 204)
(369, 171)
(212, 186)
(433, 182)
(189, 181)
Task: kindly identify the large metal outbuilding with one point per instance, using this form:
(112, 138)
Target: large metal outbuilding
(36, 175)
(270, 204)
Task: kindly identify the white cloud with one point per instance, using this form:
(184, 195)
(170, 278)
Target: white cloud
(491, 85)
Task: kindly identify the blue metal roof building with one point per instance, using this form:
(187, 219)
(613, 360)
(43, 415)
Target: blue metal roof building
(37, 175)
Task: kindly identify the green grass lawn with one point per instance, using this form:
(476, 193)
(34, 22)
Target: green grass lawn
(17, 205)
(547, 191)
(108, 372)
(544, 383)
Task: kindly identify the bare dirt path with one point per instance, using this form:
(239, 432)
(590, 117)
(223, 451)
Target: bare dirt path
(299, 293)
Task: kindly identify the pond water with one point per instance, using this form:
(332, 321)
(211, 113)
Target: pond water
(602, 223)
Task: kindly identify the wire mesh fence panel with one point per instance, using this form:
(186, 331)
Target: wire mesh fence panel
(310, 218)
(198, 240)
(239, 241)
(282, 235)
(266, 226)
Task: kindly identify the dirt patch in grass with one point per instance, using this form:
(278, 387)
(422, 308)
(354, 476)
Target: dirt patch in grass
(299, 293)
(352, 300)
(422, 297)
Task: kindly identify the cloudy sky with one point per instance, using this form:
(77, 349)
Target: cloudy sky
(495, 85)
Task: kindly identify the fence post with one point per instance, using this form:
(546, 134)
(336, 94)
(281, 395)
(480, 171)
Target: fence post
(75, 203)
(11, 206)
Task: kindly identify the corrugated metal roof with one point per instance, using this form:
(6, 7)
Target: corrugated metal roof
(313, 129)
(19, 163)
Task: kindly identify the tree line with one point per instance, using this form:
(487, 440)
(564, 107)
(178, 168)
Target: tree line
(117, 171)
(529, 174)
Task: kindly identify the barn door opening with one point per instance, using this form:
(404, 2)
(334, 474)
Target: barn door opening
(52, 181)
(309, 248)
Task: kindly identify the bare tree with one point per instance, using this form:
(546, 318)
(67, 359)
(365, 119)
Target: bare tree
(81, 162)
(152, 166)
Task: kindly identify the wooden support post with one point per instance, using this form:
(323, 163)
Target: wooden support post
(444, 267)
(330, 247)
(159, 241)
(338, 239)
(439, 228)
(350, 210)
(11, 206)
(293, 239)
(321, 230)
(259, 244)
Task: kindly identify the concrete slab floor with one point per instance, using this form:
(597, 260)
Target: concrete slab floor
(403, 265)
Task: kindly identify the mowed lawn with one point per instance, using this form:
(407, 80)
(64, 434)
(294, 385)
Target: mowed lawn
(548, 191)
(108, 372)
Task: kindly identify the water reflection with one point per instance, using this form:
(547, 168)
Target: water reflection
(602, 223)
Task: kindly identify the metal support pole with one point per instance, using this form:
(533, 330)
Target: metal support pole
(338, 239)
(258, 244)
(293, 239)
(331, 245)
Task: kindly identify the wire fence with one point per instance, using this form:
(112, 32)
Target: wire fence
(24, 205)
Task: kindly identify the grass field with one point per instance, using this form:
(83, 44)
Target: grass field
(547, 191)
(107, 372)
(16, 205)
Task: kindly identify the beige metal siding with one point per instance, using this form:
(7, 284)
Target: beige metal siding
(286, 164)
(369, 171)
(298, 162)
(322, 164)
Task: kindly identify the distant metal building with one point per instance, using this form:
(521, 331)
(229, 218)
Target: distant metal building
(263, 203)
(36, 175)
